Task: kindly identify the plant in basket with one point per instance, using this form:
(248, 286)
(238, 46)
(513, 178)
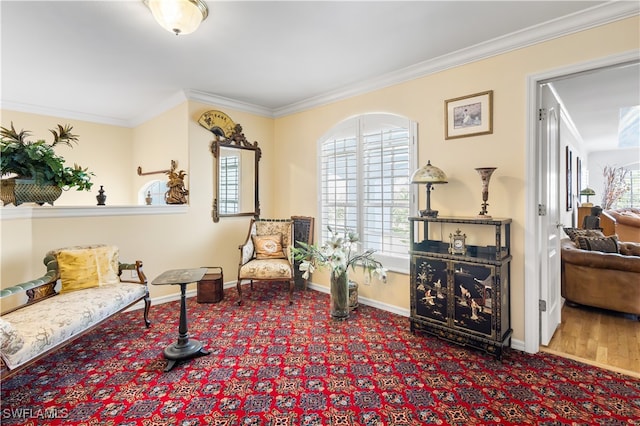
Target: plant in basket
(37, 160)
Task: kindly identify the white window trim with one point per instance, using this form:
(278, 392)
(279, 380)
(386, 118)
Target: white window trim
(399, 264)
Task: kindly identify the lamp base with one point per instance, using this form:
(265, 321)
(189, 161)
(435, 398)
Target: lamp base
(429, 213)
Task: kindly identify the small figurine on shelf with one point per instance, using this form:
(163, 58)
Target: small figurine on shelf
(101, 197)
(148, 199)
(177, 193)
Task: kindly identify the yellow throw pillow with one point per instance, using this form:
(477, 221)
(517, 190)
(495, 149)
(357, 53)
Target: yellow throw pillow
(107, 263)
(78, 269)
(268, 246)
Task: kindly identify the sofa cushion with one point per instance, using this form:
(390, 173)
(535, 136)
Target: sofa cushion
(86, 267)
(57, 319)
(574, 233)
(629, 248)
(266, 269)
(10, 340)
(268, 246)
(602, 244)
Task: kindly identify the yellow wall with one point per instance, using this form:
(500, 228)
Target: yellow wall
(422, 100)
(161, 241)
(288, 167)
(105, 150)
(156, 143)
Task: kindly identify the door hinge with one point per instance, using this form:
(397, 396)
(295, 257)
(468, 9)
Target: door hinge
(542, 210)
(542, 305)
(542, 114)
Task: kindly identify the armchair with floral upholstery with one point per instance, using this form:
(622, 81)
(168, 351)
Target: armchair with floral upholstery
(266, 254)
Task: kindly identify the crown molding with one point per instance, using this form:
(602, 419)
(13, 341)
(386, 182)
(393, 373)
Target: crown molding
(211, 99)
(589, 18)
(171, 102)
(576, 22)
(57, 112)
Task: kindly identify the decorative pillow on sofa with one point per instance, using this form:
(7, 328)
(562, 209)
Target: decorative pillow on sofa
(86, 267)
(604, 244)
(268, 246)
(574, 233)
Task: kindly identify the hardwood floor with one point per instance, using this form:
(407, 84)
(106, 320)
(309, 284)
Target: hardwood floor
(607, 339)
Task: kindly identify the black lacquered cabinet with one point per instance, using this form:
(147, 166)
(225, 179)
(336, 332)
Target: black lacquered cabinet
(462, 297)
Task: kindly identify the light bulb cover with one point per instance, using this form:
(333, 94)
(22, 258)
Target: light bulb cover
(179, 16)
(429, 174)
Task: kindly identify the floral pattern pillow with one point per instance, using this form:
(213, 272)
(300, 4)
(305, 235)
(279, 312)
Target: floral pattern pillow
(268, 246)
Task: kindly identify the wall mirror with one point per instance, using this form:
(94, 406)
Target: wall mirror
(235, 171)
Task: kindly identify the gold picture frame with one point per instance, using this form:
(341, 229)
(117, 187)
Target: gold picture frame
(470, 115)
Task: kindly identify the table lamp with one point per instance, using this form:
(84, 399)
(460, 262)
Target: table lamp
(429, 175)
(588, 192)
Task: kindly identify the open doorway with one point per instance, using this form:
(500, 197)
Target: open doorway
(539, 225)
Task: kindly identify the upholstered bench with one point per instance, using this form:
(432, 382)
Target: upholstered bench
(81, 289)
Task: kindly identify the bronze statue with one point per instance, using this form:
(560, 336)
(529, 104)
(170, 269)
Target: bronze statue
(177, 193)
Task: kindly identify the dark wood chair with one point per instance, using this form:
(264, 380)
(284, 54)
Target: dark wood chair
(302, 231)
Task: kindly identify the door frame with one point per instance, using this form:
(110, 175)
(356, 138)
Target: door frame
(532, 276)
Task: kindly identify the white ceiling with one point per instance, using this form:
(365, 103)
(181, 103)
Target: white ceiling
(593, 101)
(109, 61)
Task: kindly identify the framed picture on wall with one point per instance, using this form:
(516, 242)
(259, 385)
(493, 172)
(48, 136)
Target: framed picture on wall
(569, 162)
(470, 115)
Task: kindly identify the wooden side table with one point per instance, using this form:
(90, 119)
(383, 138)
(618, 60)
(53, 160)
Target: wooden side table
(210, 287)
(184, 348)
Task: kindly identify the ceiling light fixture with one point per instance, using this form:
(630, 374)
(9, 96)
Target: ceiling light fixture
(178, 16)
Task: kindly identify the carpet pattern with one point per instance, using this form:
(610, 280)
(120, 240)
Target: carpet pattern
(275, 364)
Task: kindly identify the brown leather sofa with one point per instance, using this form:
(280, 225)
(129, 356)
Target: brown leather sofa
(625, 223)
(603, 280)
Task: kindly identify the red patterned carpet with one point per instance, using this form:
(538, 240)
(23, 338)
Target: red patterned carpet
(274, 364)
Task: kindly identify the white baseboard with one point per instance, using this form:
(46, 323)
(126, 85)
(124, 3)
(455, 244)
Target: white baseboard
(515, 344)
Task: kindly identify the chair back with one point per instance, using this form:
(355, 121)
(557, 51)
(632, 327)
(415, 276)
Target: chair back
(282, 227)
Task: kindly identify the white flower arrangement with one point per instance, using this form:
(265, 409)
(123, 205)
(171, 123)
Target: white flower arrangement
(339, 253)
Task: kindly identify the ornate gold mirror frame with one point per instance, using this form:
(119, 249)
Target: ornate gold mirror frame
(235, 168)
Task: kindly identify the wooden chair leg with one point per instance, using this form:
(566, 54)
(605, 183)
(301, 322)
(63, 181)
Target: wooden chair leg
(239, 288)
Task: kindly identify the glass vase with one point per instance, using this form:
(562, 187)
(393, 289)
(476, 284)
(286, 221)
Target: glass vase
(339, 295)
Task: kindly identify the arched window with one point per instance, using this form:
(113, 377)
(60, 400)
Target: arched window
(365, 170)
(156, 189)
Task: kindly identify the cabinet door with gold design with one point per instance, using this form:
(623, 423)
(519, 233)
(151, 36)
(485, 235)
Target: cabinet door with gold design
(430, 289)
(474, 298)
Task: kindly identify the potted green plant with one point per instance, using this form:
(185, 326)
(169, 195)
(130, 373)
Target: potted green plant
(36, 173)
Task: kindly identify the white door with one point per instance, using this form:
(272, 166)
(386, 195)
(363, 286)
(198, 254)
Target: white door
(549, 162)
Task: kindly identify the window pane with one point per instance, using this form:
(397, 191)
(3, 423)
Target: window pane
(365, 182)
(631, 198)
(229, 184)
(386, 190)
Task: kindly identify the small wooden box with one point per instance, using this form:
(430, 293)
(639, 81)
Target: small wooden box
(210, 288)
